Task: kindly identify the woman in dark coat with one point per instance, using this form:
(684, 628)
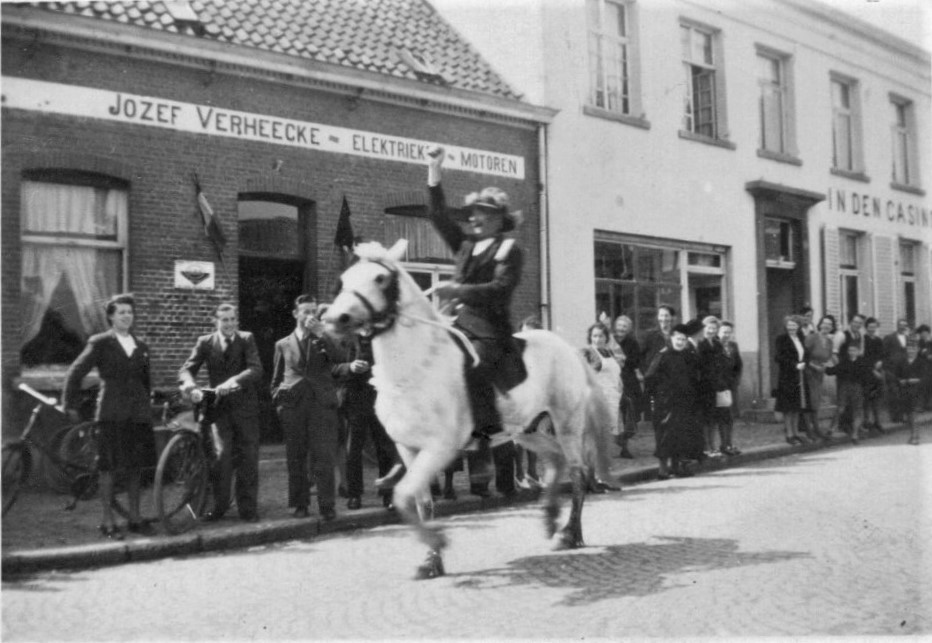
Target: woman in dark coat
(791, 356)
(124, 413)
(673, 377)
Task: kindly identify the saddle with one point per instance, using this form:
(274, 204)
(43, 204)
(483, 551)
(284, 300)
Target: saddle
(509, 369)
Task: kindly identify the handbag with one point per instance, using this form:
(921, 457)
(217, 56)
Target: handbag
(723, 399)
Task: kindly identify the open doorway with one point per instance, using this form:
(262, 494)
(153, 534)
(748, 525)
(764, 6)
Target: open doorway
(273, 271)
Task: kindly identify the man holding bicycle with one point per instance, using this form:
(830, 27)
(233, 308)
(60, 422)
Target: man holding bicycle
(234, 371)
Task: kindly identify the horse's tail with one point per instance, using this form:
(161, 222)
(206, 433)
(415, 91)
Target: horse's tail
(597, 434)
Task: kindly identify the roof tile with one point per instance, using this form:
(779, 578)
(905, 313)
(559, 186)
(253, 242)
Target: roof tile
(364, 34)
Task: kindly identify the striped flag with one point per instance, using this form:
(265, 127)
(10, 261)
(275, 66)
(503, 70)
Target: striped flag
(212, 228)
(344, 238)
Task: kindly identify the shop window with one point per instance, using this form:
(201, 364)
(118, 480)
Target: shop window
(846, 121)
(704, 91)
(849, 273)
(612, 44)
(424, 244)
(908, 255)
(903, 135)
(73, 233)
(774, 102)
(635, 280)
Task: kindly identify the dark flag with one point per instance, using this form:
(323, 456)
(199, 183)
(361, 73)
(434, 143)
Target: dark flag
(211, 227)
(344, 238)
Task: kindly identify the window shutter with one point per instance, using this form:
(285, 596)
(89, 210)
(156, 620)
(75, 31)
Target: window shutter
(885, 280)
(830, 270)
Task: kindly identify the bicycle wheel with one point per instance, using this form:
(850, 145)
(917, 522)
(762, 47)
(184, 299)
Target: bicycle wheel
(181, 482)
(17, 462)
(58, 476)
(77, 459)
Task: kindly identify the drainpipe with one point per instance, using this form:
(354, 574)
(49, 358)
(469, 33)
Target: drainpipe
(545, 311)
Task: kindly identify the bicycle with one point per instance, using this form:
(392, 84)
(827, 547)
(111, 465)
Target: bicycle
(182, 473)
(72, 451)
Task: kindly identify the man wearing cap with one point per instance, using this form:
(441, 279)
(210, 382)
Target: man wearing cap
(488, 269)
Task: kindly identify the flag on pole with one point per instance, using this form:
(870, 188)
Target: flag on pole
(344, 238)
(211, 228)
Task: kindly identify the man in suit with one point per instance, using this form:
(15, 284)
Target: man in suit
(488, 269)
(357, 406)
(305, 397)
(894, 351)
(233, 371)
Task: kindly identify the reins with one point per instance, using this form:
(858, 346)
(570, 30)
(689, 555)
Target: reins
(382, 321)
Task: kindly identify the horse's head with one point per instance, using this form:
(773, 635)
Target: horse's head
(369, 293)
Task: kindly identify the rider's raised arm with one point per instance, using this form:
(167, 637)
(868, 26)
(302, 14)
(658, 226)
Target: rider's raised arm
(446, 227)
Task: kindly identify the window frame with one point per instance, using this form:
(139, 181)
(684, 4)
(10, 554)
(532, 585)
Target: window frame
(719, 122)
(848, 272)
(120, 242)
(910, 156)
(908, 280)
(853, 113)
(788, 153)
(631, 112)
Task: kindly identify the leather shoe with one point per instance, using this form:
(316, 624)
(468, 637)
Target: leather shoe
(212, 516)
(301, 512)
(143, 528)
(328, 513)
(354, 503)
(251, 516)
(479, 490)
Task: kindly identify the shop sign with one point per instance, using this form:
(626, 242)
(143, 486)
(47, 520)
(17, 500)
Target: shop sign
(86, 102)
(874, 207)
(194, 275)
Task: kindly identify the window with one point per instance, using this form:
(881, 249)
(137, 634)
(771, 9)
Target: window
(779, 244)
(908, 257)
(429, 276)
(610, 56)
(846, 137)
(74, 242)
(771, 79)
(903, 170)
(700, 62)
(848, 264)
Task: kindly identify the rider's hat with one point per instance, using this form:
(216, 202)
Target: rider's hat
(493, 199)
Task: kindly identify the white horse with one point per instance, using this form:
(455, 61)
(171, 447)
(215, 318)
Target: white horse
(422, 400)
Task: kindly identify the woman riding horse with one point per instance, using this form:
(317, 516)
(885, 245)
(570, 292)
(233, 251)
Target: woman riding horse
(488, 269)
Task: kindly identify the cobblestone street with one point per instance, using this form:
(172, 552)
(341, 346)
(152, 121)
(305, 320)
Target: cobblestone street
(825, 543)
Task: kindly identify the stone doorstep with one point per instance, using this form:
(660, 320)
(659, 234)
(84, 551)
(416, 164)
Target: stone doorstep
(244, 535)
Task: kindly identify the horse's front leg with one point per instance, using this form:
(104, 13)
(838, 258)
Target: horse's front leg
(571, 537)
(550, 457)
(413, 500)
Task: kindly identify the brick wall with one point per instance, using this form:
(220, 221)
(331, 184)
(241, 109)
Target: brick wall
(158, 165)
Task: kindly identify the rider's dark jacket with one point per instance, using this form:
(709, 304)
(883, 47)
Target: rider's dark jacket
(488, 279)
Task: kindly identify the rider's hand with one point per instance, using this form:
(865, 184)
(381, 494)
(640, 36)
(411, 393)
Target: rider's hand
(434, 164)
(447, 290)
(197, 396)
(359, 366)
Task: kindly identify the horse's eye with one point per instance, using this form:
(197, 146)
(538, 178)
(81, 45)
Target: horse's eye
(380, 279)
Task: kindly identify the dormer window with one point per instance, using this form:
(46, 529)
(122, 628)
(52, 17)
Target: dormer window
(184, 16)
(422, 66)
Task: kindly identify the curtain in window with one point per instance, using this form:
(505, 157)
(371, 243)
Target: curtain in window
(424, 244)
(64, 213)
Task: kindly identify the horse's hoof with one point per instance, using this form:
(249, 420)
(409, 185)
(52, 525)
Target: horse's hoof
(431, 568)
(569, 541)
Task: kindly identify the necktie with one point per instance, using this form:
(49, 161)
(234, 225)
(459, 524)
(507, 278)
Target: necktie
(226, 344)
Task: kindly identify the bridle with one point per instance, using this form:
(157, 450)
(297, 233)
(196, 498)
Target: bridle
(384, 320)
(381, 320)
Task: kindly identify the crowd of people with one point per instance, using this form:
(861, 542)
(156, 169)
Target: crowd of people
(684, 379)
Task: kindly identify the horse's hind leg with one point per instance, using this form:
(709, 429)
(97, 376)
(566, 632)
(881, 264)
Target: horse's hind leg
(571, 536)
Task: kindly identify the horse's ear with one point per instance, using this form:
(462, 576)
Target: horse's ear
(397, 251)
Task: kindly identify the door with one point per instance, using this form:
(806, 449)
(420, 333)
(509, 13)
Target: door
(781, 301)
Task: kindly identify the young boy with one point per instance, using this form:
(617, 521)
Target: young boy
(851, 372)
(909, 373)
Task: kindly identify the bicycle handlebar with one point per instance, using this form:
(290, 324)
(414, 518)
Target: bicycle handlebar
(48, 401)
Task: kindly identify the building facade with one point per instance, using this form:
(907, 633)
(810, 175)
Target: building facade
(193, 153)
(741, 159)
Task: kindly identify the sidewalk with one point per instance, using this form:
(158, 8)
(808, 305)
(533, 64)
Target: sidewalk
(39, 535)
